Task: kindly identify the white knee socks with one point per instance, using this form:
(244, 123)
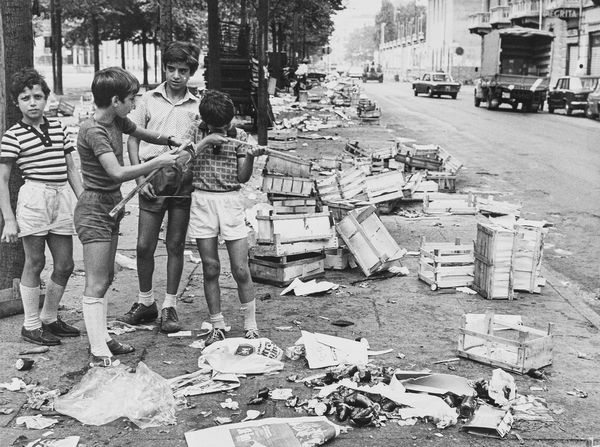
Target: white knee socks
(30, 296)
(93, 315)
(54, 293)
(107, 336)
(249, 311)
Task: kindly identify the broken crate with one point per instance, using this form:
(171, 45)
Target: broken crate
(368, 240)
(446, 264)
(527, 255)
(283, 139)
(282, 270)
(499, 343)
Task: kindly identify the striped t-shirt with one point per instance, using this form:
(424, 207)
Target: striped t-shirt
(39, 155)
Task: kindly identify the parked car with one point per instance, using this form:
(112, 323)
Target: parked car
(593, 103)
(436, 84)
(370, 73)
(355, 72)
(571, 93)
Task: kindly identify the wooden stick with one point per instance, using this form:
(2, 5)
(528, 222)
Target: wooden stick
(245, 143)
(52, 226)
(119, 206)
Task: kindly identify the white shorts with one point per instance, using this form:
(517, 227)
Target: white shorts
(217, 213)
(42, 204)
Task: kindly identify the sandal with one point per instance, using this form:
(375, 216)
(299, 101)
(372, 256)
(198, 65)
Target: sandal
(117, 348)
(97, 361)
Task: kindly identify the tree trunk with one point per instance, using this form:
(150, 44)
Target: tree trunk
(165, 21)
(122, 44)
(243, 38)
(214, 46)
(263, 98)
(16, 52)
(57, 42)
(274, 36)
(144, 57)
(96, 42)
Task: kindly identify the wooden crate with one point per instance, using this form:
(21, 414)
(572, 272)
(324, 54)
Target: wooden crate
(294, 206)
(501, 344)
(493, 275)
(287, 228)
(336, 259)
(384, 187)
(445, 264)
(278, 248)
(11, 302)
(281, 271)
(329, 162)
(288, 186)
(449, 163)
(283, 134)
(527, 255)
(282, 145)
(340, 208)
(490, 207)
(449, 204)
(446, 180)
(368, 240)
(287, 164)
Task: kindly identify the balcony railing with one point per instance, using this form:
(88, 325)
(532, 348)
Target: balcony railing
(479, 20)
(500, 15)
(558, 4)
(527, 8)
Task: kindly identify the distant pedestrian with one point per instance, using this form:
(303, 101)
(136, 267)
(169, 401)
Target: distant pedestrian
(170, 109)
(220, 167)
(41, 149)
(100, 146)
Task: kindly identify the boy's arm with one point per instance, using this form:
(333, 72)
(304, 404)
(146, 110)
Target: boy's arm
(11, 230)
(151, 136)
(121, 174)
(73, 175)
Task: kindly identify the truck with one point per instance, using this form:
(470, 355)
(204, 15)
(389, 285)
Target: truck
(515, 68)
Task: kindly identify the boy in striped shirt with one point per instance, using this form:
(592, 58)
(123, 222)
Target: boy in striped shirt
(41, 150)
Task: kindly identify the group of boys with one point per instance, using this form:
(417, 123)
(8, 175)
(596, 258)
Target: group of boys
(167, 121)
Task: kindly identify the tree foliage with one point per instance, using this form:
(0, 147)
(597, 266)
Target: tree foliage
(360, 45)
(386, 16)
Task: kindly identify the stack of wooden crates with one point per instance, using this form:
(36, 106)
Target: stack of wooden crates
(291, 238)
(509, 259)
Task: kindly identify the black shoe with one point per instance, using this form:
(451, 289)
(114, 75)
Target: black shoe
(214, 335)
(169, 321)
(61, 329)
(140, 314)
(40, 336)
(117, 348)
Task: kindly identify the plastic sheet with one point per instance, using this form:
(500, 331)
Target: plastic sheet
(242, 356)
(106, 394)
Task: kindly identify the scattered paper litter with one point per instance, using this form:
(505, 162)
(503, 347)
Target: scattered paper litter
(37, 422)
(15, 384)
(385, 351)
(466, 290)
(326, 350)
(198, 344)
(281, 393)
(399, 270)
(125, 261)
(180, 334)
(251, 415)
(230, 404)
(301, 288)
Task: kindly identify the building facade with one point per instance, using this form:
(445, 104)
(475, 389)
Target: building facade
(574, 23)
(439, 41)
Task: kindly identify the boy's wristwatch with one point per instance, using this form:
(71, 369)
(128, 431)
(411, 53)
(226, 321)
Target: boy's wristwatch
(170, 141)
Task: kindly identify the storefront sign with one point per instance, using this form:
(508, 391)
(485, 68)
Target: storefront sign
(565, 13)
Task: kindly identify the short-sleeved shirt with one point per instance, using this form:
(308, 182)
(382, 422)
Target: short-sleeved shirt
(97, 138)
(156, 111)
(40, 155)
(215, 170)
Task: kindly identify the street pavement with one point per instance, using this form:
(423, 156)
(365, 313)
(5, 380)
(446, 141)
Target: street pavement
(401, 313)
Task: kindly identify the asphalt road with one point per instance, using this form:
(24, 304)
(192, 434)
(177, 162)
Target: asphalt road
(550, 163)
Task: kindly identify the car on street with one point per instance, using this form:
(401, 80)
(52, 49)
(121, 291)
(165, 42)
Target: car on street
(355, 72)
(436, 84)
(571, 93)
(593, 103)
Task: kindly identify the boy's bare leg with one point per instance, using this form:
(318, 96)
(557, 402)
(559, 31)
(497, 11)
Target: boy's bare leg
(238, 256)
(211, 269)
(61, 247)
(32, 330)
(176, 232)
(148, 230)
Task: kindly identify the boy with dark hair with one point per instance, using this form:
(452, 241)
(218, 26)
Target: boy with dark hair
(43, 152)
(170, 109)
(220, 167)
(100, 146)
